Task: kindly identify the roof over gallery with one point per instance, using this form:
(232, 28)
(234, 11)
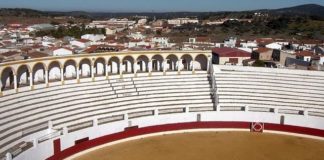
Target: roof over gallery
(230, 52)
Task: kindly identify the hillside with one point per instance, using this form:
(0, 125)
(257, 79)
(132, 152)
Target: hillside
(307, 9)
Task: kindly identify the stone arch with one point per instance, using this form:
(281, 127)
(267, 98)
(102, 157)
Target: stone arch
(128, 64)
(39, 72)
(100, 66)
(85, 67)
(186, 62)
(54, 71)
(157, 63)
(172, 62)
(114, 65)
(142, 63)
(23, 75)
(201, 62)
(70, 69)
(7, 78)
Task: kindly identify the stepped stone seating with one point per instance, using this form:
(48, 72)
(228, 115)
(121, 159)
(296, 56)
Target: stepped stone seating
(268, 90)
(75, 106)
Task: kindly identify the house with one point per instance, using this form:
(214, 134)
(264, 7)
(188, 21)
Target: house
(35, 54)
(263, 54)
(62, 52)
(12, 56)
(297, 63)
(110, 31)
(81, 43)
(274, 45)
(227, 55)
(93, 37)
(231, 42)
(304, 55)
(262, 42)
(161, 41)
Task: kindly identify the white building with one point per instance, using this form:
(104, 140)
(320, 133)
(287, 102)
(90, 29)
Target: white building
(110, 31)
(81, 43)
(181, 21)
(62, 52)
(322, 60)
(93, 37)
(274, 45)
(137, 36)
(161, 41)
(231, 42)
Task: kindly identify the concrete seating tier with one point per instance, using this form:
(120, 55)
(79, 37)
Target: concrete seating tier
(267, 90)
(77, 105)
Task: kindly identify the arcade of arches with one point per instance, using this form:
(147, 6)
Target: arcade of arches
(47, 70)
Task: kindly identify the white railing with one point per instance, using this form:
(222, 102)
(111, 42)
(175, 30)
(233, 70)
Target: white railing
(213, 80)
(49, 136)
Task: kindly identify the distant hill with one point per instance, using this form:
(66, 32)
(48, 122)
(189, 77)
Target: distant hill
(21, 12)
(307, 9)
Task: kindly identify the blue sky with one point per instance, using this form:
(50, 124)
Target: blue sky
(152, 5)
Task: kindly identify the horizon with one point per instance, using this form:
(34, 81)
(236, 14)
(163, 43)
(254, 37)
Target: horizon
(158, 6)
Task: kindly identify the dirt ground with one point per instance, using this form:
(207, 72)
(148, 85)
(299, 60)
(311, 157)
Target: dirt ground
(213, 146)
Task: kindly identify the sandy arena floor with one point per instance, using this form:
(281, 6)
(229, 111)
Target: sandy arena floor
(213, 146)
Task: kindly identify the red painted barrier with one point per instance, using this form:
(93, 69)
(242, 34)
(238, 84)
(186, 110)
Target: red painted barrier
(178, 126)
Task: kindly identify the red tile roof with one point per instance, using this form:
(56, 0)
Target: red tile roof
(36, 54)
(231, 52)
(10, 53)
(264, 41)
(304, 53)
(83, 40)
(262, 49)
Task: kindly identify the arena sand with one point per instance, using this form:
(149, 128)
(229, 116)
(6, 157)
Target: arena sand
(213, 146)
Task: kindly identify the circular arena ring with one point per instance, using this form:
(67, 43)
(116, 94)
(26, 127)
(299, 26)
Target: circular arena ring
(56, 107)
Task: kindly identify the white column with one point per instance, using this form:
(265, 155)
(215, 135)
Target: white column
(179, 62)
(92, 72)
(62, 75)
(106, 67)
(46, 78)
(164, 67)
(193, 67)
(150, 65)
(135, 68)
(121, 69)
(15, 83)
(158, 65)
(78, 74)
(31, 80)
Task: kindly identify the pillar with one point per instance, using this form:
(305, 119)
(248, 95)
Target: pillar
(164, 67)
(62, 75)
(193, 67)
(15, 83)
(31, 80)
(179, 62)
(78, 74)
(121, 69)
(150, 65)
(135, 68)
(158, 65)
(46, 78)
(92, 72)
(106, 70)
